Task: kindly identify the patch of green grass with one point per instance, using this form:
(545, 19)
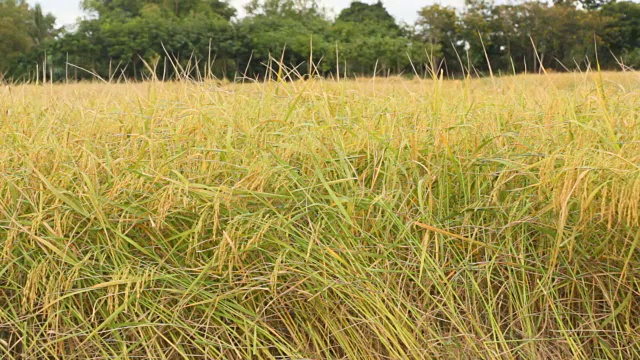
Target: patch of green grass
(370, 219)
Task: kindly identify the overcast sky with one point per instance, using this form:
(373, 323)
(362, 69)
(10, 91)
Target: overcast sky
(66, 11)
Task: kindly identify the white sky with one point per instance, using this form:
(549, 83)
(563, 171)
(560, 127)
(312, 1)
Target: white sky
(67, 11)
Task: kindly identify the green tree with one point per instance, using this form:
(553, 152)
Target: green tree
(369, 39)
(43, 28)
(178, 8)
(528, 35)
(564, 36)
(292, 30)
(285, 8)
(173, 34)
(106, 8)
(126, 34)
(372, 15)
(14, 33)
(25, 33)
(438, 25)
(621, 32)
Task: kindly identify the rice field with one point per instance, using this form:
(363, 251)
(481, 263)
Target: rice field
(369, 219)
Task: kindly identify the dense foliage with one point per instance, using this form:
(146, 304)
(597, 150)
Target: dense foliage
(135, 39)
(25, 34)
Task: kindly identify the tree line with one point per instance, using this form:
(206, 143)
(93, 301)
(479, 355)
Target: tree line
(138, 39)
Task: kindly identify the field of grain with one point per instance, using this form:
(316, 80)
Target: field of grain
(369, 219)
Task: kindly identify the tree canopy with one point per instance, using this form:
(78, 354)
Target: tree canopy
(165, 38)
(25, 34)
(177, 8)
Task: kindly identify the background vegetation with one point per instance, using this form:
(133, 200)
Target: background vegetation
(121, 36)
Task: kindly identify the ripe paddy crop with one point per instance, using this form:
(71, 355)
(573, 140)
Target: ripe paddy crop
(369, 219)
